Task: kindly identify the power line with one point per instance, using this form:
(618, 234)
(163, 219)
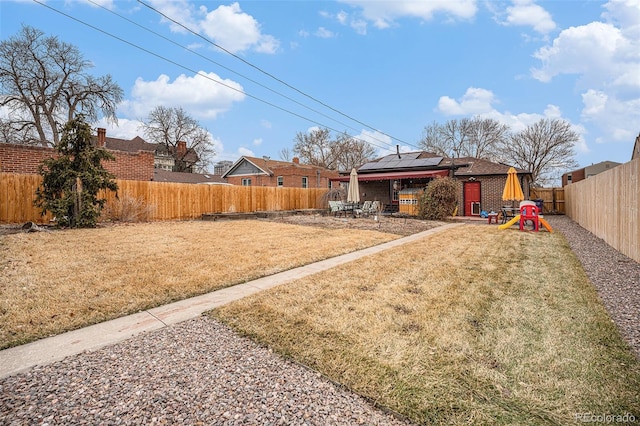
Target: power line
(270, 75)
(222, 66)
(196, 72)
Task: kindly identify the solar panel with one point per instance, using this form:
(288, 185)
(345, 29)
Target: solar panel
(407, 161)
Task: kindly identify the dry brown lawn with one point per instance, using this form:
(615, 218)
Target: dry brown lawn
(56, 281)
(470, 326)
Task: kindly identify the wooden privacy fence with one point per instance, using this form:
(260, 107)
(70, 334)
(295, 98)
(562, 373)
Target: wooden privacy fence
(553, 199)
(607, 204)
(164, 201)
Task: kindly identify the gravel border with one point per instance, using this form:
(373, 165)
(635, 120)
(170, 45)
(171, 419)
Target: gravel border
(615, 276)
(195, 372)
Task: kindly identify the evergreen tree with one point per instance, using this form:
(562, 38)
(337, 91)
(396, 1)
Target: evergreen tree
(72, 180)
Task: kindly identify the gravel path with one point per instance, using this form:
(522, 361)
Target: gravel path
(196, 372)
(615, 276)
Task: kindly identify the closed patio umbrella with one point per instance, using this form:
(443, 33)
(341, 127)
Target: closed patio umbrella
(512, 189)
(353, 196)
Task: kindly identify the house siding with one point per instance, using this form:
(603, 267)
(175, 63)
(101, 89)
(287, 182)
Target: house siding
(24, 159)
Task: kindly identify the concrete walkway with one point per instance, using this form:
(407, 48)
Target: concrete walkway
(45, 351)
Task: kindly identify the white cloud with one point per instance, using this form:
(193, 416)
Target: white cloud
(606, 57)
(384, 13)
(527, 13)
(342, 17)
(475, 101)
(244, 151)
(266, 124)
(180, 11)
(125, 129)
(95, 3)
(201, 96)
(322, 32)
(596, 51)
(617, 118)
(227, 25)
(236, 31)
(257, 142)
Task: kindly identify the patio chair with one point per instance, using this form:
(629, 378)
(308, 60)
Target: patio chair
(364, 209)
(336, 207)
(375, 207)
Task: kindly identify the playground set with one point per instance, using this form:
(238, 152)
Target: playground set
(529, 212)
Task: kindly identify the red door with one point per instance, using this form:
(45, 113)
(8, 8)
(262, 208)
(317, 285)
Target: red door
(471, 198)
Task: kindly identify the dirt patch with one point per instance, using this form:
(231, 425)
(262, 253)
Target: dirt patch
(390, 224)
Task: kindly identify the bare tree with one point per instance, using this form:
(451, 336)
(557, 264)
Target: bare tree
(285, 154)
(44, 84)
(545, 148)
(351, 152)
(169, 126)
(476, 137)
(486, 137)
(342, 153)
(315, 148)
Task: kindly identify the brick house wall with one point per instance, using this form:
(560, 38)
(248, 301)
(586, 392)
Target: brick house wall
(491, 188)
(25, 159)
(377, 190)
(292, 178)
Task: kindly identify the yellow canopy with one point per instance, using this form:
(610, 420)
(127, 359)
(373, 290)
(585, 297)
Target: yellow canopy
(512, 189)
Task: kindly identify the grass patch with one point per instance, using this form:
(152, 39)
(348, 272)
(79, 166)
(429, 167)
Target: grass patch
(58, 281)
(473, 325)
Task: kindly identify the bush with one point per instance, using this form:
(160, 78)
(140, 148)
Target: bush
(127, 209)
(439, 200)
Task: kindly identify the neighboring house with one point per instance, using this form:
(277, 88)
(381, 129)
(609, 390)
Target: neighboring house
(221, 167)
(585, 172)
(480, 182)
(135, 159)
(160, 175)
(636, 149)
(178, 158)
(251, 171)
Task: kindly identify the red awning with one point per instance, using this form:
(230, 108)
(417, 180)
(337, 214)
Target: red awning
(364, 177)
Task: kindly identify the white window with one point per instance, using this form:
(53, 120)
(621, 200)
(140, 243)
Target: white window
(246, 182)
(280, 181)
(305, 182)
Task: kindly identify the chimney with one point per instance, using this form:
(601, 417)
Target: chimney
(296, 160)
(182, 148)
(398, 150)
(102, 135)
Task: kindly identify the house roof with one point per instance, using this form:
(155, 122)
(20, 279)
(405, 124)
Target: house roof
(267, 166)
(365, 177)
(133, 145)
(413, 164)
(469, 166)
(160, 175)
(138, 144)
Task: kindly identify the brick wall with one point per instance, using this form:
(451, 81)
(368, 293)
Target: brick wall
(25, 159)
(491, 188)
(292, 178)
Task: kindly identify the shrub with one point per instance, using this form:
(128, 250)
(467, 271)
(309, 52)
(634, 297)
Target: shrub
(439, 199)
(127, 209)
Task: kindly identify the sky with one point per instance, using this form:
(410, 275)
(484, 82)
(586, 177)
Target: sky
(256, 73)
